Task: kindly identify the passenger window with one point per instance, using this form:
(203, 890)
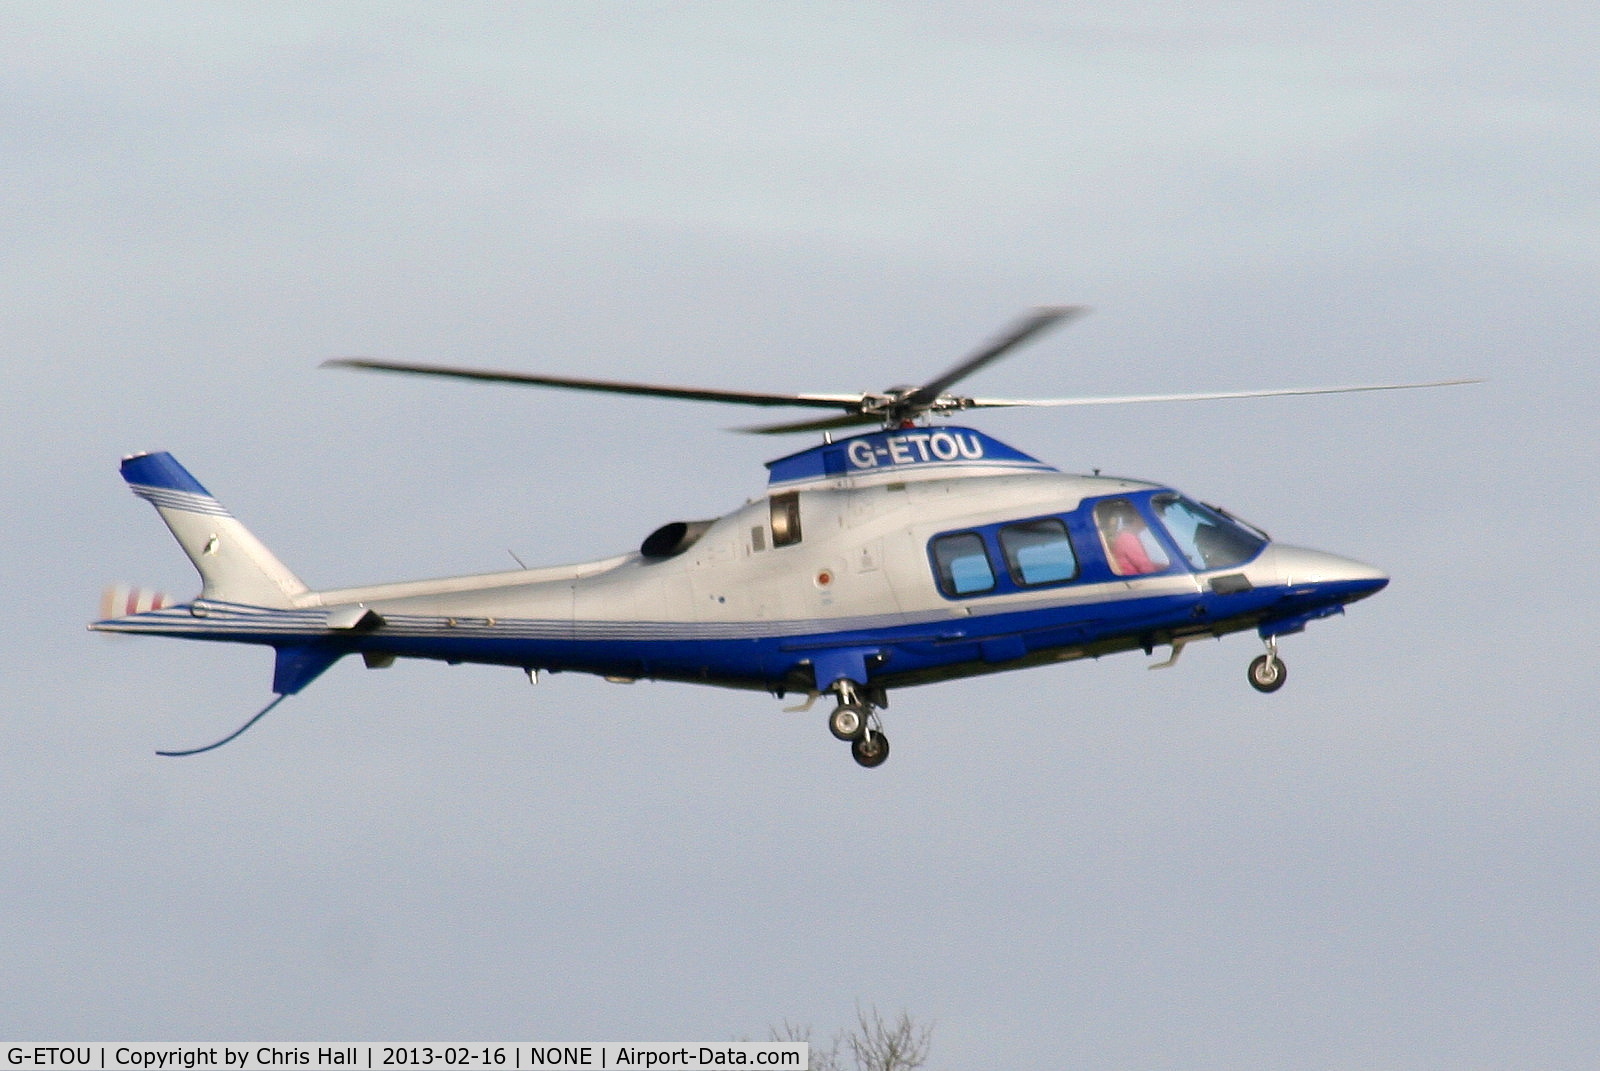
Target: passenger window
(786, 519)
(1038, 552)
(1131, 548)
(962, 564)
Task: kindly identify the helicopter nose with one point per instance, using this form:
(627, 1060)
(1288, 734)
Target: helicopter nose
(1298, 566)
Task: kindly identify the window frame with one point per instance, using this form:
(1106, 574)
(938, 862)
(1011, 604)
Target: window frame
(1189, 547)
(1014, 568)
(1156, 531)
(784, 518)
(943, 575)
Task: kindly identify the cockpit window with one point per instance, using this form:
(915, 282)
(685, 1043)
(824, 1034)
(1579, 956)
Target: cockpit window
(1208, 539)
(1038, 552)
(1132, 549)
(962, 564)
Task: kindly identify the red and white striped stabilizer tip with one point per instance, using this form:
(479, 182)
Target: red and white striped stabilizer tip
(120, 600)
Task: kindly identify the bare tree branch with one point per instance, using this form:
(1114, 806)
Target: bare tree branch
(876, 1044)
(822, 1059)
(879, 1045)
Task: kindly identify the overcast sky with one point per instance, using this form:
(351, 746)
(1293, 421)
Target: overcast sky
(1390, 864)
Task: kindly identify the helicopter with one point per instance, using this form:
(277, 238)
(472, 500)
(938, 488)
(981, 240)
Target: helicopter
(906, 555)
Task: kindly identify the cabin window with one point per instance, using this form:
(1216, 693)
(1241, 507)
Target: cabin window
(786, 519)
(1132, 549)
(962, 564)
(1038, 552)
(1207, 538)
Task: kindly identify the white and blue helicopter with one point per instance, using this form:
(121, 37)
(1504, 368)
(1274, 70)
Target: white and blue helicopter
(907, 555)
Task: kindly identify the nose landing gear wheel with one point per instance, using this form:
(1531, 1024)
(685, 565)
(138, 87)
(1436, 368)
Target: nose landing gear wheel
(847, 722)
(1267, 673)
(870, 750)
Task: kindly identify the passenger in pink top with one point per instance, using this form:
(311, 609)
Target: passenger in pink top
(1122, 529)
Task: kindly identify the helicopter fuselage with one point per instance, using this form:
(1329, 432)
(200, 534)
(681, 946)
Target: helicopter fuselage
(881, 561)
(902, 556)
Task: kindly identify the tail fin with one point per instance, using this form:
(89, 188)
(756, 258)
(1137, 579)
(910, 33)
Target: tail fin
(234, 565)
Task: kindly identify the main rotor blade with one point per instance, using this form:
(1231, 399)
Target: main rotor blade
(847, 402)
(1136, 399)
(849, 420)
(1029, 326)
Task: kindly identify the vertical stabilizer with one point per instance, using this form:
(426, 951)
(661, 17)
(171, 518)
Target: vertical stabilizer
(234, 565)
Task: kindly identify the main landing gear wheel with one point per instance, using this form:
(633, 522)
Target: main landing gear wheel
(855, 720)
(870, 750)
(1267, 673)
(847, 722)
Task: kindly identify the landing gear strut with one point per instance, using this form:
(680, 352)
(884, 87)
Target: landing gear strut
(855, 720)
(1268, 671)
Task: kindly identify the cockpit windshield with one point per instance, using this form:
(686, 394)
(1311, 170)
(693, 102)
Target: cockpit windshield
(1207, 538)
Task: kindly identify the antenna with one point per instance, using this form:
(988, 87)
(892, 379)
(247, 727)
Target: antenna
(231, 736)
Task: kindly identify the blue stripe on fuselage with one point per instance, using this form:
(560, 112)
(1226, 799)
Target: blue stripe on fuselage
(910, 652)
